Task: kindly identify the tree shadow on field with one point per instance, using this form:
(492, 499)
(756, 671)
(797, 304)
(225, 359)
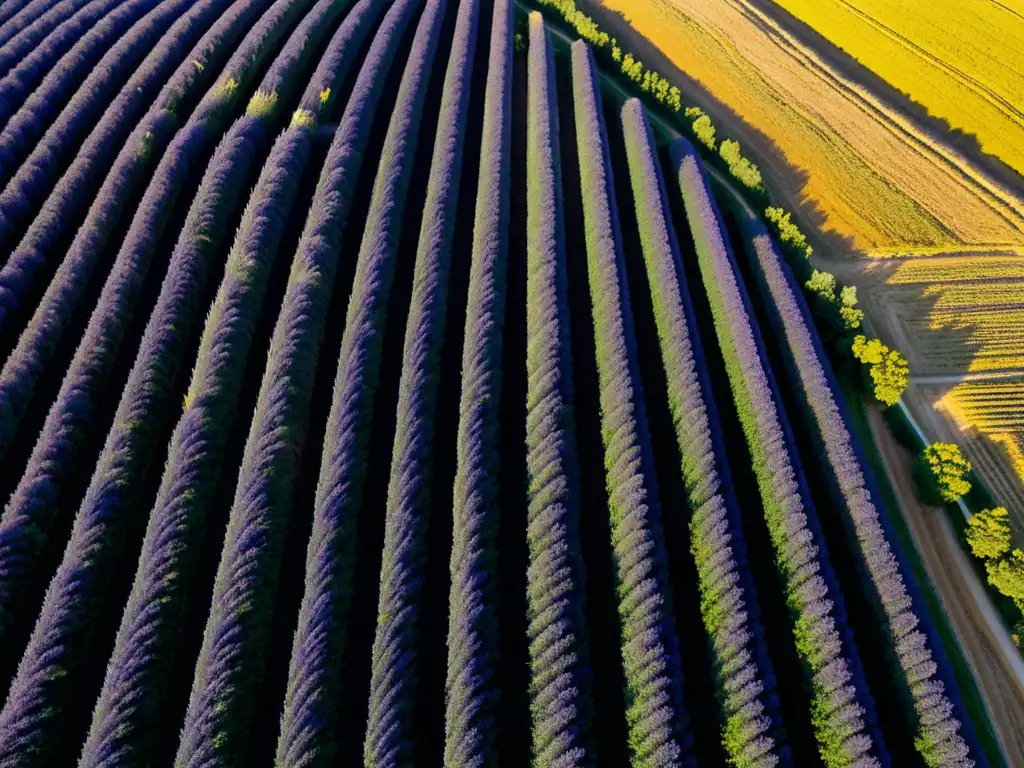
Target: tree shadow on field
(787, 181)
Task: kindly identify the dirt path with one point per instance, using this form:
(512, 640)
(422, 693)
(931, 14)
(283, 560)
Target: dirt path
(970, 614)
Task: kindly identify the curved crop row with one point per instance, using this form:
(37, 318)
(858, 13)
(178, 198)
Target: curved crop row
(655, 715)
(743, 672)
(471, 692)
(21, 197)
(14, 11)
(124, 183)
(329, 202)
(122, 40)
(842, 708)
(25, 522)
(47, 58)
(223, 666)
(396, 665)
(35, 705)
(144, 650)
(331, 550)
(939, 724)
(561, 682)
(21, 35)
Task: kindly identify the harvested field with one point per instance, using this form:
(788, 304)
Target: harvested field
(854, 157)
(974, 80)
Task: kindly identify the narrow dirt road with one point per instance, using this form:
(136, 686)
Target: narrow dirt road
(942, 559)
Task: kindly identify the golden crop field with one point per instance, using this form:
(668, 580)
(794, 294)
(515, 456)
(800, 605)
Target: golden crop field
(991, 415)
(863, 169)
(841, 103)
(973, 79)
(961, 314)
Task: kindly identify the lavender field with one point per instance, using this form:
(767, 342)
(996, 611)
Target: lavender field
(378, 388)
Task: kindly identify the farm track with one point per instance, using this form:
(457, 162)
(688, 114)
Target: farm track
(968, 607)
(285, 577)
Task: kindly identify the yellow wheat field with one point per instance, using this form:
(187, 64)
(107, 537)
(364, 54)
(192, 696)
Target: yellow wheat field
(961, 314)
(876, 177)
(994, 409)
(963, 60)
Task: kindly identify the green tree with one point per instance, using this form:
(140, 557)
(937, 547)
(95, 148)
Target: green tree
(888, 369)
(1007, 574)
(702, 126)
(849, 314)
(944, 470)
(988, 533)
(740, 167)
(788, 233)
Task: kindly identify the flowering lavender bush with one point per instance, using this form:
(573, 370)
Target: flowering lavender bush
(257, 487)
(145, 649)
(395, 671)
(743, 671)
(122, 39)
(34, 706)
(27, 184)
(22, 79)
(20, 35)
(471, 693)
(561, 680)
(24, 527)
(15, 15)
(842, 709)
(937, 713)
(657, 721)
(321, 631)
(33, 355)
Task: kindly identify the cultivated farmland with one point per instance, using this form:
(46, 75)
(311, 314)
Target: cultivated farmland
(893, 130)
(377, 385)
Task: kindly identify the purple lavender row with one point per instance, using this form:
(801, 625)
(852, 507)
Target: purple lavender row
(144, 652)
(842, 709)
(13, 10)
(22, 34)
(119, 42)
(561, 681)
(25, 525)
(124, 184)
(59, 641)
(23, 79)
(305, 305)
(391, 733)
(332, 545)
(938, 719)
(471, 690)
(743, 672)
(21, 197)
(655, 715)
